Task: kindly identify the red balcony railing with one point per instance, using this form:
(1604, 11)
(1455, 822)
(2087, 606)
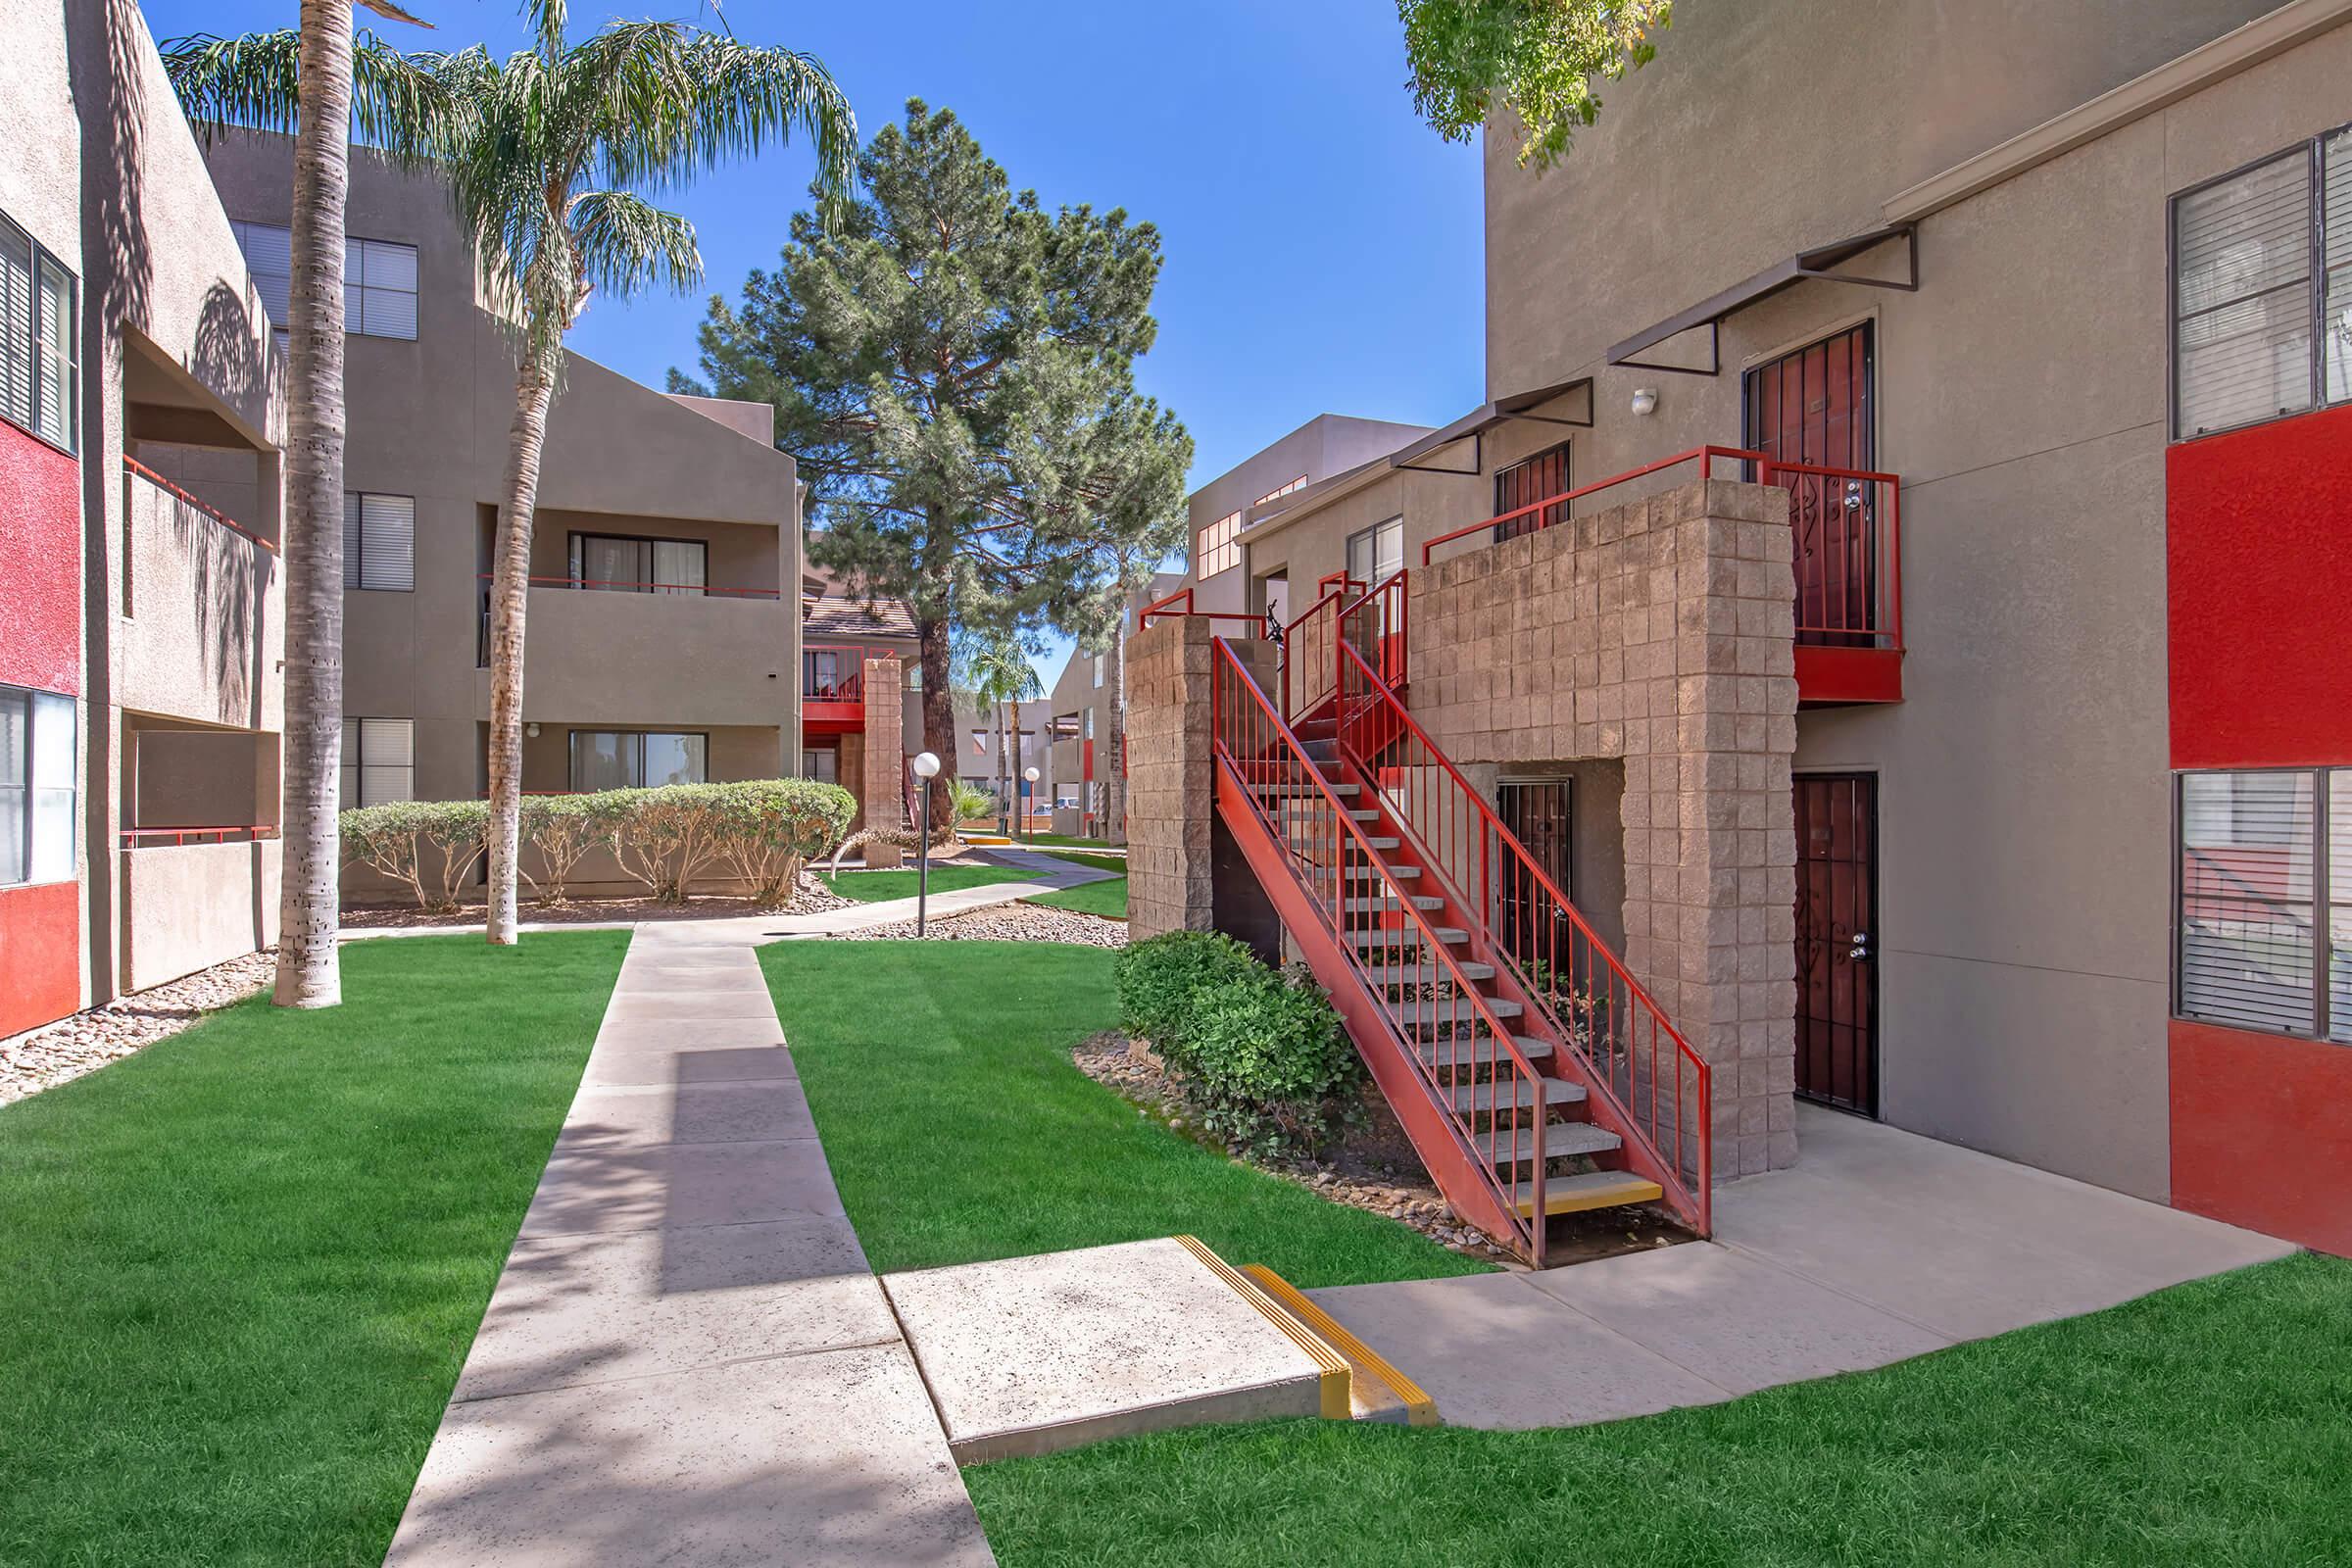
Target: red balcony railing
(681, 590)
(833, 674)
(1179, 604)
(245, 833)
(1846, 527)
(134, 467)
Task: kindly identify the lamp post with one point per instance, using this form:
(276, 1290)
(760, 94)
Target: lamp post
(926, 769)
(1029, 806)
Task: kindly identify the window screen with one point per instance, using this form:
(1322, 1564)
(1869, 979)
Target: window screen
(39, 341)
(379, 761)
(1522, 484)
(379, 542)
(15, 324)
(2336, 314)
(379, 280)
(2248, 879)
(2243, 297)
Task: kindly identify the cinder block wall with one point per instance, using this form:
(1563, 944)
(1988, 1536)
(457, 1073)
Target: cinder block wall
(1660, 633)
(1170, 795)
(882, 772)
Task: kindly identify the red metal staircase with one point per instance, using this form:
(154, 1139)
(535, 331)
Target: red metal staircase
(1533, 1075)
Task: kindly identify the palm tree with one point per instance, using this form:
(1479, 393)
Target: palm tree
(312, 82)
(998, 672)
(566, 143)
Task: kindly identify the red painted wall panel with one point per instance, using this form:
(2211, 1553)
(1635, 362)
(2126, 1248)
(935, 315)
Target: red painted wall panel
(2258, 546)
(40, 954)
(2262, 1133)
(40, 543)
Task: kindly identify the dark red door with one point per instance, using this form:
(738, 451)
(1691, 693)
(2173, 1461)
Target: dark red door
(1837, 940)
(1526, 482)
(1815, 408)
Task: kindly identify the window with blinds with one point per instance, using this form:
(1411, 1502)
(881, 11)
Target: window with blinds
(379, 542)
(379, 761)
(379, 280)
(1220, 547)
(2262, 290)
(2264, 926)
(40, 373)
(615, 759)
(39, 795)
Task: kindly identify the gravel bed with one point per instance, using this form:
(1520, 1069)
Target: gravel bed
(1005, 922)
(89, 1041)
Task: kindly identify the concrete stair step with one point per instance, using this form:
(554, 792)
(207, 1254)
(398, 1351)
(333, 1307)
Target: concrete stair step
(1373, 905)
(1458, 1010)
(1560, 1139)
(1430, 973)
(1281, 787)
(1446, 1054)
(1572, 1194)
(1478, 1100)
(1374, 873)
(1448, 934)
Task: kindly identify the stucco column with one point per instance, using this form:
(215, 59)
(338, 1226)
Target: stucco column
(879, 788)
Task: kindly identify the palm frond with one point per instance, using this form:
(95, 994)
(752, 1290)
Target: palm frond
(400, 104)
(625, 243)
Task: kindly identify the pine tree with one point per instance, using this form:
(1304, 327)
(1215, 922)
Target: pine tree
(953, 369)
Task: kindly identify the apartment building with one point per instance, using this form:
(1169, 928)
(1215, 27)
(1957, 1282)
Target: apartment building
(667, 591)
(140, 623)
(1895, 589)
(843, 633)
(1084, 709)
(1325, 445)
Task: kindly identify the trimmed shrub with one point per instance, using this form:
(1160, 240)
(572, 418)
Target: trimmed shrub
(1269, 1064)
(768, 830)
(433, 846)
(562, 828)
(1157, 977)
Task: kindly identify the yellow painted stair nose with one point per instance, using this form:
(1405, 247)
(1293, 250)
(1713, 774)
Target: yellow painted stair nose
(1572, 1194)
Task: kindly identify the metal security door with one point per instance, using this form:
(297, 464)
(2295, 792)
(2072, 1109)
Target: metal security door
(1837, 940)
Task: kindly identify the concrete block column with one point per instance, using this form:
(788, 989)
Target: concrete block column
(1183, 871)
(883, 775)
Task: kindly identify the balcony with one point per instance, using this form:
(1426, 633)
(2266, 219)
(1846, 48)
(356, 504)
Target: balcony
(602, 654)
(202, 606)
(832, 691)
(195, 897)
(1846, 547)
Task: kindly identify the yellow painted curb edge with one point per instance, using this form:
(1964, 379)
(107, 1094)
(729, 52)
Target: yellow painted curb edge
(1334, 1381)
(1419, 1408)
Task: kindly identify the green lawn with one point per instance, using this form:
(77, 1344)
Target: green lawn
(2211, 1424)
(872, 887)
(957, 1128)
(1106, 899)
(1064, 841)
(1093, 862)
(243, 1267)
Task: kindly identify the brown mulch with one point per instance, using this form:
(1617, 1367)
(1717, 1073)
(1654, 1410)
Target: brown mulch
(1374, 1167)
(813, 899)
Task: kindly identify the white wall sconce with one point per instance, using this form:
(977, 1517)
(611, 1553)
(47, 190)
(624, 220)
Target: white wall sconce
(1645, 401)
(532, 730)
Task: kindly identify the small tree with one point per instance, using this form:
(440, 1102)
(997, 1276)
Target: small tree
(953, 368)
(1536, 58)
(998, 672)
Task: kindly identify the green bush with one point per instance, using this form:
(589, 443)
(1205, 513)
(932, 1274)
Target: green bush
(1269, 1064)
(770, 828)
(412, 841)
(1156, 979)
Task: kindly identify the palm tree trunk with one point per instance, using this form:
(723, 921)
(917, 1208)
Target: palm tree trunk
(509, 595)
(1115, 829)
(1004, 771)
(309, 907)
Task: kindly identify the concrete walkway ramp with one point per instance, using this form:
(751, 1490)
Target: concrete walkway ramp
(1032, 1354)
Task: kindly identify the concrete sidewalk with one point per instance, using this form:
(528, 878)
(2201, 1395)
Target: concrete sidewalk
(687, 1358)
(1877, 1246)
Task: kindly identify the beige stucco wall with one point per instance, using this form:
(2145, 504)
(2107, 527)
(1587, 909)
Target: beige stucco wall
(190, 906)
(428, 418)
(104, 172)
(1326, 445)
(201, 628)
(2022, 394)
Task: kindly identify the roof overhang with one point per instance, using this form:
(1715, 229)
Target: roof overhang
(1825, 262)
(1428, 454)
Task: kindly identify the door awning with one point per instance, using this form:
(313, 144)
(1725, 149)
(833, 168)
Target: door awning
(1474, 426)
(1822, 261)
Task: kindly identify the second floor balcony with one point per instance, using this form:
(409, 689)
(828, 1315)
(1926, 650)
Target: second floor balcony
(201, 607)
(625, 656)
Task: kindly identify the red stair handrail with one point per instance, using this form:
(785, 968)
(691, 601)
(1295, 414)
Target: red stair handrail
(1706, 457)
(1263, 723)
(1336, 588)
(1370, 692)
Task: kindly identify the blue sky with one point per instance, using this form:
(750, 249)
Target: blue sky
(1323, 246)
